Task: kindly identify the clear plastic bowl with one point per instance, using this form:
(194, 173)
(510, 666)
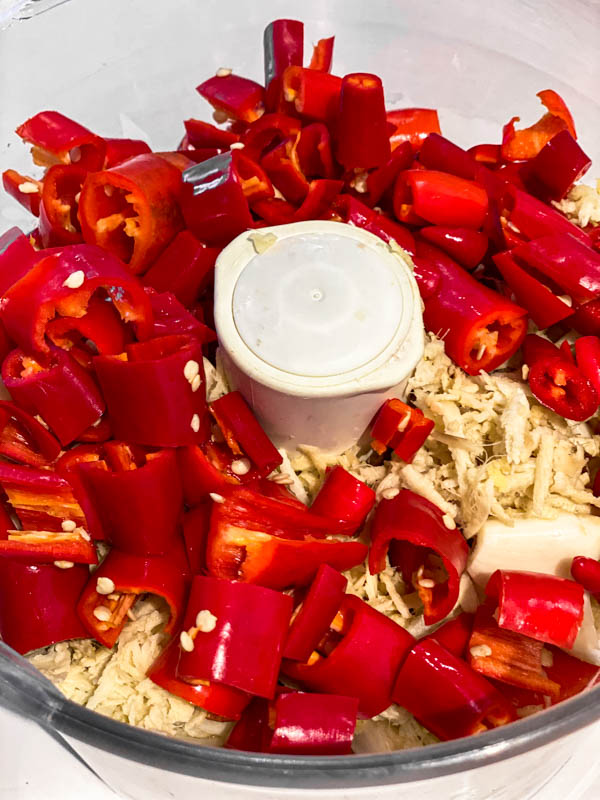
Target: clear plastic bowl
(129, 69)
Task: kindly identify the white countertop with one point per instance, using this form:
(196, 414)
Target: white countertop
(34, 766)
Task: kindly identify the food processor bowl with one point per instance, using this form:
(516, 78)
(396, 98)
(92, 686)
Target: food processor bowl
(129, 69)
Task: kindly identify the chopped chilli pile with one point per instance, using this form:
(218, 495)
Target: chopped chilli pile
(164, 564)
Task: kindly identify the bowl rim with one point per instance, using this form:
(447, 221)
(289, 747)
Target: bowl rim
(24, 690)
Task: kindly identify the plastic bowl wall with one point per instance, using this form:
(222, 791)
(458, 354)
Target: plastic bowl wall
(129, 69)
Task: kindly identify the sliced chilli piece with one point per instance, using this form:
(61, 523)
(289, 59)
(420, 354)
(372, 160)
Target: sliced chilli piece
(556, 382)
(519, 145)
(185, 268)
(362, 641)
(101, 325)
(431, 555)
(322, 55)
(570, 264)
(17, 257)
(58, 223)
(361, 129)
(446, 199)
(412, 125)
(139, 505)
(25, 190)
(57, 389)
(207, 468)
(481, 328)
(313, 724)
(267, 132)
(43, 547)
(56, 138)
(225, 701)
(401, 427)
(544, 307)
(526, 218)
(213, 202)
(560, 163)
(243, 433)
(465, 245)
(253, 556)
(344, 497)
(121, 578)
(37, 604)
(171, 318)
(25, 440)
(446, 696)
(543, 607)
(315, 95)
(155, 392)
(508, 656)
(283, 168)
(312, 618)
(67, 468)
(131, 209)
(62, 284)
(233, 96)
(41, 499)
(283, 43)
(119, 150)
(195, 528)
(203, 135)
(455, 634)
(241, 646)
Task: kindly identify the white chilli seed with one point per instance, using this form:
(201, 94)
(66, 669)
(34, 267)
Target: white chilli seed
(102, 613)
(68, 525)
(547, 658)
(403, 424)
(75, 155)
(28, 187)
(525, 371)
(480, 651)
(205, 621)
(131, 615)
(223, 72)
(216, 498)
(113, 596)
(389, 494)
(108, 189)
(449, 522)
(195, 423)
(191, 369)
(241, 466)
(84, 534)
(105, 586)
(426, 583)
(283, 480)
(186, 641)
(237, 146)
(64, 564)
(196, 383)
(75, 280)
(481, 352)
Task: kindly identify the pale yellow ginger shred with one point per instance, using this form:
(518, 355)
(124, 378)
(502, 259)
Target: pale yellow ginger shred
(582, 205)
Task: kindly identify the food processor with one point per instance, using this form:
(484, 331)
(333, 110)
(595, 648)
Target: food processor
(129, 69)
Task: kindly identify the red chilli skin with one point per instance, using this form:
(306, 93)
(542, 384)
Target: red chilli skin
(37, 604)
(416, 529)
